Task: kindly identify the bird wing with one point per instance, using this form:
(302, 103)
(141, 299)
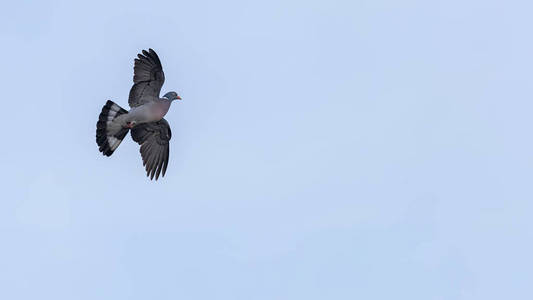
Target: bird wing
(154, 139)
(148, 78)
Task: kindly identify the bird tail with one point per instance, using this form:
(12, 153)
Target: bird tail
(109, 133)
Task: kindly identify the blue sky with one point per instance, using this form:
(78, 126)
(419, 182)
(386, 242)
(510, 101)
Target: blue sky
(323, 150)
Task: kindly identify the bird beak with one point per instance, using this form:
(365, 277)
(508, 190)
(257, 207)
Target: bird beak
(178, 97)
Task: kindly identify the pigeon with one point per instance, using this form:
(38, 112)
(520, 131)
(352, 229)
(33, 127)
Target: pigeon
(145, 118)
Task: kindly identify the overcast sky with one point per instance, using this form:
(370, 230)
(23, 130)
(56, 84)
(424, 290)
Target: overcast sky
(323, 150)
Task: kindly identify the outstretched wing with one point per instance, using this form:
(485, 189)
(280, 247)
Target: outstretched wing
(148, 77)
(153, 138)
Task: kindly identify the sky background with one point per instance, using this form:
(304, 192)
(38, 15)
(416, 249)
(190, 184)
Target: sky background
(323, 150)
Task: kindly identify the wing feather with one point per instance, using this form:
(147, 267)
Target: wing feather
(154, 140)
(148, 78)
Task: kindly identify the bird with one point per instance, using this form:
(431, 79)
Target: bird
(144, 119)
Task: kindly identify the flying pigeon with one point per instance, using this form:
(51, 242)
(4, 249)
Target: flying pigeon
(144, 119)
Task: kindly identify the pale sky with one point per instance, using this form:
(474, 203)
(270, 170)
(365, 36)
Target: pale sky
(322, 150)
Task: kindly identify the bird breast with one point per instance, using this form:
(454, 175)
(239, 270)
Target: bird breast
(159, 109)
(150, 112)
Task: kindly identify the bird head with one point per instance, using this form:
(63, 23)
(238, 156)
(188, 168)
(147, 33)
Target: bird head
(172, 96)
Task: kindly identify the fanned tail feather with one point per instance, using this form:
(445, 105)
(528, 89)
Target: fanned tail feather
(108, 138)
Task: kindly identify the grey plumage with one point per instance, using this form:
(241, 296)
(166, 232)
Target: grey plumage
(102, 139)
(145, 118)
(154, 140)
(148, 78)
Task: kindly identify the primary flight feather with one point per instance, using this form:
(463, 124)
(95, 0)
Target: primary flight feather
(144, 119)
